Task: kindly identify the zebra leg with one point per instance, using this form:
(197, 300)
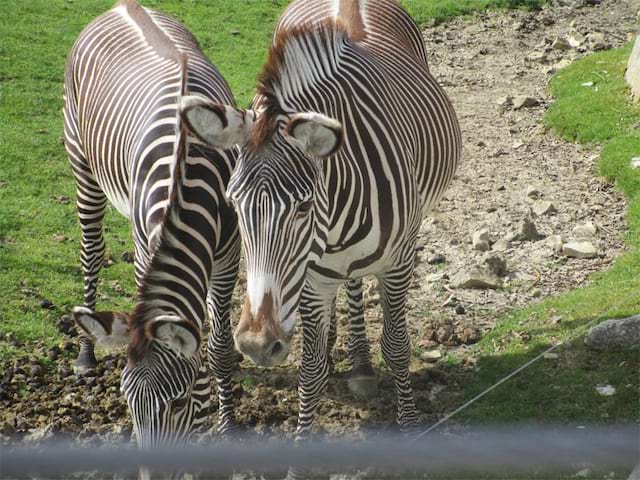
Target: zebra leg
(394, 285)
(91, 204)
(220, 350)
(315, 311)
(333, 336)
(362, 379)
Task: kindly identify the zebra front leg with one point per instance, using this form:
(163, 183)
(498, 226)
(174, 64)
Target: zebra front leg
(362, 380)
(91, 204)
(220, 350)
(396, 349)
(315, 311)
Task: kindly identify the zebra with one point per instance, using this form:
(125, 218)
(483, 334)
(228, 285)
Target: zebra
(352, 143)
(134, 79)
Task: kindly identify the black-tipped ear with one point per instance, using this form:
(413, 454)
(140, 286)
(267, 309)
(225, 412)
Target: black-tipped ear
(180, 335)
(319, 135)
(108, 329)
(220, 126)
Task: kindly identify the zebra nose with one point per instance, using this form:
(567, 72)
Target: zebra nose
(263, 350)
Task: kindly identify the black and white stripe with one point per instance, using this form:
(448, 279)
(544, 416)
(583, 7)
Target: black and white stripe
(128, 144)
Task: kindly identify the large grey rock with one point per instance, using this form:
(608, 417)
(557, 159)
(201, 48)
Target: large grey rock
(579, 250)
(480, 277)
(615, 334)
(633, 71)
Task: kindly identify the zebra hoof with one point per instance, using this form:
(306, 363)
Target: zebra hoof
(85, 364)
(363, 383)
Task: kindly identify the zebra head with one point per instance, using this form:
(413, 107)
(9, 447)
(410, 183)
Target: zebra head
(280, 197)
(164, 382)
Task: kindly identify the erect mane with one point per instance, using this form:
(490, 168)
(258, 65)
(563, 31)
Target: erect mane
(287, 60)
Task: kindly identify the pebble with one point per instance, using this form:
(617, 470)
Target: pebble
(586, 230)
(597, 41)
(496, 264)
(533, 192)
(127, 257)
(436, 259)
(460, 310)
(554, 242)
(576, 39)
(481, 240)
(561, 44)
(635, 163)
(45, 303)
(528, 231)
(606, 390)
(551, 356)
(543, 207)
(478, 277)
(431, 356)
(525, 102)
(579, 250)
(505, 102)
(36, 370)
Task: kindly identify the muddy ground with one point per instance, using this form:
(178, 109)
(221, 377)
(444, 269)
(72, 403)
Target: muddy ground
(511, 165)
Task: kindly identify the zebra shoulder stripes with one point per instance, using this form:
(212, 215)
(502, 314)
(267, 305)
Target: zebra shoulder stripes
(126, 119)
(353, 143)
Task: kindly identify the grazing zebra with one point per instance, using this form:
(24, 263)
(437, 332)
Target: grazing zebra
(353, 143)
(126, 119)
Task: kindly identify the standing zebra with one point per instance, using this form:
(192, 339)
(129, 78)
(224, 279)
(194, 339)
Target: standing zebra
(126, 119)
(353, 143)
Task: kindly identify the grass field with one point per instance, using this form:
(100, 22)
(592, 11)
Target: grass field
(39, 234)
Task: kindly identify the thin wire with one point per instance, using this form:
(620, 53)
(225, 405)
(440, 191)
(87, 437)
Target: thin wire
(508, 377)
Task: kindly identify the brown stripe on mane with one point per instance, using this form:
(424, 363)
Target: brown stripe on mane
(155, 37)
(350, 16)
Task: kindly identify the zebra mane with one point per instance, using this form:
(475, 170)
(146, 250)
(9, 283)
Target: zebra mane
(146, 309)
(299, 58)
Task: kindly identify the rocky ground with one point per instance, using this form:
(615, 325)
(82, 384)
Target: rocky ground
(507, 225)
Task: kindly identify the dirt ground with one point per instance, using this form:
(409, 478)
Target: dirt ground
(511, 165)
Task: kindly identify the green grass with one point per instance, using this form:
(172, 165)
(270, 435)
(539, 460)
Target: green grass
(36, 36)
(564, 389)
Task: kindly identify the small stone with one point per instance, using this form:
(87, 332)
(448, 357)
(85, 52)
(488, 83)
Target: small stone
(60, 238)
(436, 259)
(505, 102)
(36, 371)
(481, 240)
(597, 41)
(543, 207)
(470, 335)
(501, 245)
(496, 264)
(576, 40)
(528, 231)
(533, 192)
(561, 44)
(435, 277)
(635, 163)
(54, 352)
(551, 356)
(579, 250)
(45, 303)
(606, 390)
(554, 242)
(460, 310)
(587, 84)
(478, 278)
(615, 334)
(586, 230)
(525, 102)
(431, 356)
(127, 257)
(537, 56)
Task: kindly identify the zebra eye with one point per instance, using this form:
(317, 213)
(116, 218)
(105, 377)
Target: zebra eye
(179, 403)
(304, 208)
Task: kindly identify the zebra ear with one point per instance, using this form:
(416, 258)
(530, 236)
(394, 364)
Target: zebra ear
(220, 126)
(176, 333)
(108, 329)
(319, 135)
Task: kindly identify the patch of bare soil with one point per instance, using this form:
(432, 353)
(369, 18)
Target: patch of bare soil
(511, 167)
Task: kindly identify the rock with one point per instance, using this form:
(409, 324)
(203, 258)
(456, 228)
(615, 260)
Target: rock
(444, 333)
(587, 84)
(505, 102)
(45, 303)
(470, 335)
(40, 435)
(128, 257)
(616, 334)
(635, 161)
(579, 250)
(551, 356)
(537, 56)
(596, 41)
(36, 371)
(543, 207)
(478, 277)
(431, 356)
(524, 102)
(496, 264)
(586, 230)
(561, 44)
(60, 238)
(528, 231)
(460, 310)
(554, 242)
(533, 192)
(436, 259)
(481, 240)
(606, 390)
(54, 352)
(501, 245)
(435, 277)
(632, 75)
(576, 39)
